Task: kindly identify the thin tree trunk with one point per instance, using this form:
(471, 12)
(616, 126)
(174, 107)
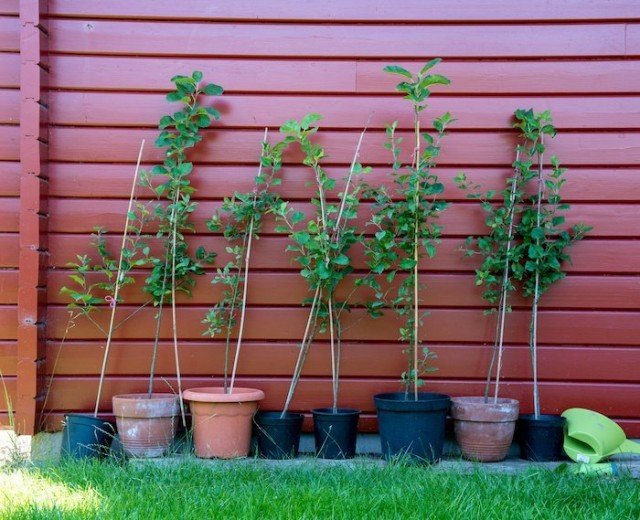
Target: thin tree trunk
(173, 311)
(416, 302)
(105, 357)
(536, 292)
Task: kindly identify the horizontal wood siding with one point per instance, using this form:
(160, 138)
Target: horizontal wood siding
(9, 199)
(110, 63)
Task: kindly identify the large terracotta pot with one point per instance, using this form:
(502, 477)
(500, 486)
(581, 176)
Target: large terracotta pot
(222, 422)
(484, 430)
(146, 426)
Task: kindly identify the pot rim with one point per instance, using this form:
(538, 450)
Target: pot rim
(215, 394)
(273, 417)
(427, 402)
(341, 412)
(547, 419)
(156, 396)
(475, 409)
(140, 406)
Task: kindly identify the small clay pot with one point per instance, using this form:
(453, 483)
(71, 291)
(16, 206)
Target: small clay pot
(484, 430)
(146, 426)
(222, 422)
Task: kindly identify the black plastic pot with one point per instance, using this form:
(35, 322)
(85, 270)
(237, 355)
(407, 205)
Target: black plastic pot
(278, 438)
(335, 433)
(85, 436)
(410, 428)
(541, 439)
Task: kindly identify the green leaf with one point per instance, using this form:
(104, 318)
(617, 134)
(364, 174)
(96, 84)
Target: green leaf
(213, 90)
(395, 69)
(197, 76)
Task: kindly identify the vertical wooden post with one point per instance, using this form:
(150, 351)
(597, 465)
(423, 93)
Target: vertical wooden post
(33, 213)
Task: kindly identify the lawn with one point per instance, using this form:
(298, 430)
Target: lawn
(193, 490)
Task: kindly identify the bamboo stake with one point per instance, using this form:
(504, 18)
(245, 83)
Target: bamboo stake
(415, 259)
(536, 294)
(118, 281)
(301, 355)
(245, 281)
(173, 308)
(505, 281)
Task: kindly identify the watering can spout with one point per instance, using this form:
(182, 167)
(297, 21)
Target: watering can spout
(630, 447)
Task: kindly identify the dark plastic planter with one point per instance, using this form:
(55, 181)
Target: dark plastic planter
(410, 428)
(85, 436)
(541, 439)
(278, 438)
(335, 433)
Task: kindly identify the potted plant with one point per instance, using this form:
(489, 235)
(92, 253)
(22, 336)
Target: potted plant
(93, 285)
(147, 422)
(321, 243)
(223, 416)
(484, 426)
(544, 241)
(411, 422)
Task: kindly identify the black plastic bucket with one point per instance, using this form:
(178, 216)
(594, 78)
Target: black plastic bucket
(278, 438)
(335, 433)
(541, 439)
(410, 428)
(85, 436)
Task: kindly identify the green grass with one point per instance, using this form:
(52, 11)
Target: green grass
(191, 490)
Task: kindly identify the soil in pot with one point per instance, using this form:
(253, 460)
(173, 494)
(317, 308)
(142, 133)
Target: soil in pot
(484, 430)
(146, 426)
(85, 436)
(222, 422)
(278, 437)
(541, 439)
(410, 428)
(335, 433)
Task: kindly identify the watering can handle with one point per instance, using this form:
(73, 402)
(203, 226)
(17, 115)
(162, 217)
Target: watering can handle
(630, 447)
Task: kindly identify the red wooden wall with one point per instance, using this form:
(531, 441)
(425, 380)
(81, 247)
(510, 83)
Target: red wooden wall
(109, 65)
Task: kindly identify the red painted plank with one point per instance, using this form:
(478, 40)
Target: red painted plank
(228, 39)
(239, 146)
(9, 70)
(9, 34)
(9, 179)
(442, 290)
(76, 180)
(532, 77)
(81, 216)
(8, 287)
(8, 322)
(8, 250)
(8, 391)
(335, 76)
(9, 208)
(9, 148)
(611, 399)
(8, 362)
(10, 7)
(357, 11)
(450, 325)
(9, 107)
(97, 109)
(588, 256)
(202, 358)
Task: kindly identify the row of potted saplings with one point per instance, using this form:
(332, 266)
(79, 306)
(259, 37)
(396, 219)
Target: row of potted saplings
(523, 250)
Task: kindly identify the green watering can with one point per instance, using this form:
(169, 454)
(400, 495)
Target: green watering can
(590, 437)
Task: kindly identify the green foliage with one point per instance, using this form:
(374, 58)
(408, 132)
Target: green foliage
(424, 367)
(322, 241)
(240, 219)
(179, 132)
(405, 218)
(94, 281)
(543, 236)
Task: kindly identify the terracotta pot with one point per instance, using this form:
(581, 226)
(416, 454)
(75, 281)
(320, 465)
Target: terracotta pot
(222, 422)
(484, 430)
(146, 426)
